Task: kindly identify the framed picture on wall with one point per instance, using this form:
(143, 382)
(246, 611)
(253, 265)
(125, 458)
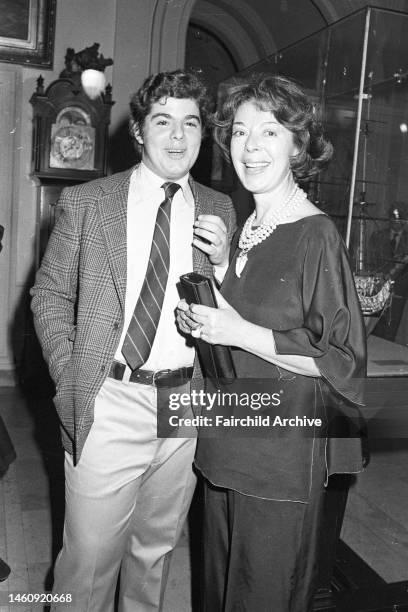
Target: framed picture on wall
(27, 32)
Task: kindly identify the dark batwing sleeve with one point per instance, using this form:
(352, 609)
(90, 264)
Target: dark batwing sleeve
(333, 332)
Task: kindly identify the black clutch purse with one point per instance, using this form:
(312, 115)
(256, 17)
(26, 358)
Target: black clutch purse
(216, 359)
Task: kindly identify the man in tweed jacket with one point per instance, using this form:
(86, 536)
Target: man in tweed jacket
(127, 491)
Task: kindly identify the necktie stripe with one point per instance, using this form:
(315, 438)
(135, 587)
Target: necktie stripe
(159, 254)
(155, 263)
(165, 214)
(159, 261)
(159, 246)
(161, 257)
(157, 278)
(147, 310)
(129, 339)
(164, 237)
(143, 325)
(155, 296)
(143, 333)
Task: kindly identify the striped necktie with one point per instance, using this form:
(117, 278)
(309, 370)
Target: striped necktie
(142, 328)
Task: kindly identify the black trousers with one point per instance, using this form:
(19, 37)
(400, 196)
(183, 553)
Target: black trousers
(260, 555)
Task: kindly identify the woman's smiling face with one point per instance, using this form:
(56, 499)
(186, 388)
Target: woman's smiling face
(261, 148)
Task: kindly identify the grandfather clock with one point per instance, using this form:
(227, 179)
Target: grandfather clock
(70, 146)
(70, 133)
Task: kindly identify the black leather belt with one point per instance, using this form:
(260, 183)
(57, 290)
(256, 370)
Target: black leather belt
(159, 378)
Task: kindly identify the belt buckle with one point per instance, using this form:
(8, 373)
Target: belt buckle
(160, 374)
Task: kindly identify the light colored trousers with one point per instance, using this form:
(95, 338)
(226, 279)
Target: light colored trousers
(126, 503)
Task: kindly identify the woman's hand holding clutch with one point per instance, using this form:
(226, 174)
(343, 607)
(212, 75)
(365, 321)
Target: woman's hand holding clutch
(220, 325)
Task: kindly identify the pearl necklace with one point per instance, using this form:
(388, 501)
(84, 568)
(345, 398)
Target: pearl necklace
(251, 237)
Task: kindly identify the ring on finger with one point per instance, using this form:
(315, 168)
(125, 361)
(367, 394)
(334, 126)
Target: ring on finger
(196, 332)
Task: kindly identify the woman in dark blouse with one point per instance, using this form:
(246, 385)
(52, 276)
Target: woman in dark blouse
(289, 308)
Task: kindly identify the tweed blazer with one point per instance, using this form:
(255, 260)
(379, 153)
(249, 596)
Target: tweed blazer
(79, 292)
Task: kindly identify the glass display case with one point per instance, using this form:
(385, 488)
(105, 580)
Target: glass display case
(357, 71)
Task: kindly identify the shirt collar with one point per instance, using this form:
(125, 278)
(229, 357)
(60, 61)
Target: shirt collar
(153, 181)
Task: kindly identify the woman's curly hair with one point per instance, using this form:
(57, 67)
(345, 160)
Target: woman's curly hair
(291, 107)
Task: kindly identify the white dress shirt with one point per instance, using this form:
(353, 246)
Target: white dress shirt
(145, 196)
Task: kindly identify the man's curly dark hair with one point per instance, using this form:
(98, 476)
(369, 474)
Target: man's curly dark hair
(175, 84)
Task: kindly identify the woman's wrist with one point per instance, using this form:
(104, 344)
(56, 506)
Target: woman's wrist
(241, 331)
(254, 338)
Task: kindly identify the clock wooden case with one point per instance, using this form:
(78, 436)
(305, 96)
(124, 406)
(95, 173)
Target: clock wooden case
(70, 144)
(70, 131)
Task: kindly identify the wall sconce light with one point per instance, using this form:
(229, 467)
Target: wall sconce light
(93, 82)
(87, 66)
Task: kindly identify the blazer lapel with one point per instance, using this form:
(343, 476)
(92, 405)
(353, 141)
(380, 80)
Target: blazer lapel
(202, 206)
(113, 219)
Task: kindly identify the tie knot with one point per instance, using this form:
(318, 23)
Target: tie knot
(170, 189)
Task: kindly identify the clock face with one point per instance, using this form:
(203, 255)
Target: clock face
(71, 145)
(72, 140)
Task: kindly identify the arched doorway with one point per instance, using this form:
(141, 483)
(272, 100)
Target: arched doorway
(210, 57)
